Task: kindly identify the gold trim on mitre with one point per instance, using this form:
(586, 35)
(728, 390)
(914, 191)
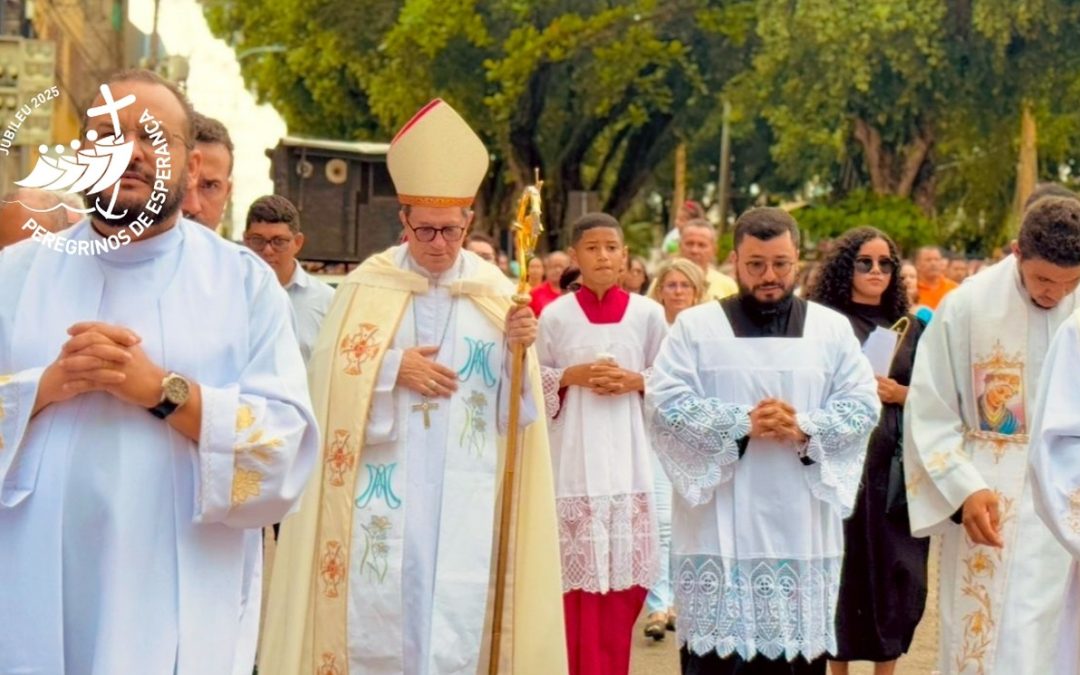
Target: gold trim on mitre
(436, 159)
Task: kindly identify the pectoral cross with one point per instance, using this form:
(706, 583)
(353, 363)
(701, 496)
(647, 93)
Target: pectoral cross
(426, 407)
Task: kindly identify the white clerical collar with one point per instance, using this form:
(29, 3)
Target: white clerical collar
(141, 250)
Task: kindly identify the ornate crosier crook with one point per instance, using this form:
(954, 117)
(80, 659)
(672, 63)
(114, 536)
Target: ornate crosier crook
(526, 230)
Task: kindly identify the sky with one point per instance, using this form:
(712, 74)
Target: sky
(216, 89)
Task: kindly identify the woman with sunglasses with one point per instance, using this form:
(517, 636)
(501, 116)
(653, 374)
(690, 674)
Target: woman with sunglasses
(883, 583)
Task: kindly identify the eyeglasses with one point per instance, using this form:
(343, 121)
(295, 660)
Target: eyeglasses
(257, 243)
(864, 265)
(427, 234)
(757, 268)
(673, 286)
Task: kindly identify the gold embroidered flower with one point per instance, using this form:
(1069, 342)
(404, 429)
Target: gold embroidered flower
(980, 564)
(244, 417)
(977, 623)
(246, 484)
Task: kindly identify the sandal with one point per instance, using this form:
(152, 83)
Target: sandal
(656, 626)
(671, 620)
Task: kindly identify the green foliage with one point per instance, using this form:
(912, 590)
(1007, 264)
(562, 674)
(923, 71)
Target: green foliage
(917, 99)
(895, 216)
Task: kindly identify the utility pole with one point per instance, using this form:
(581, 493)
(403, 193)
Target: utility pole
(154, 39)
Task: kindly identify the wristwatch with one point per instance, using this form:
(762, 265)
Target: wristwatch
(174, 393)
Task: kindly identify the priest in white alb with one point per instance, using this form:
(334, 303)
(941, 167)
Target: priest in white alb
(388, 567)
(967, 421)
(1054, 465)
(761, 406)
(153, 404)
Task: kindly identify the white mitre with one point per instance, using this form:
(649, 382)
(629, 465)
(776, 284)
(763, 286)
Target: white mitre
(437, 159)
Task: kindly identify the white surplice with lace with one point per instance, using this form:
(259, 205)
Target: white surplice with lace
(757, 541)
(599, 447)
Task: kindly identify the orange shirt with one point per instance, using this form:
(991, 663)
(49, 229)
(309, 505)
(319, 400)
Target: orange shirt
(932, 295)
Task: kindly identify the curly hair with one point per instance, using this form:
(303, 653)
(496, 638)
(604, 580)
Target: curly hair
(832, 287)
(1051, 231)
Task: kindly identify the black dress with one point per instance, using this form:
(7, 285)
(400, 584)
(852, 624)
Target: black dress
(883, 582)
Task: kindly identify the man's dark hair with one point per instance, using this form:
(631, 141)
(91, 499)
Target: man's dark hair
(1051, 231)
(273, 209)
(591, 221)
(187, 133)
(569, 277)
(484, 238)
(765, 223)
(210, 130)
(1049, 190)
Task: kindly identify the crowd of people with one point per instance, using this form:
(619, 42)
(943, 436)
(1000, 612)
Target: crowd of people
(754, 453)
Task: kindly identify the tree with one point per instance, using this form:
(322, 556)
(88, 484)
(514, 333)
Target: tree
(594, 94)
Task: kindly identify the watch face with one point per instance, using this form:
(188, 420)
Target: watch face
(176, 389)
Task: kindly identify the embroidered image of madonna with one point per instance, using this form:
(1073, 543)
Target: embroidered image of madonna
(1000, 400)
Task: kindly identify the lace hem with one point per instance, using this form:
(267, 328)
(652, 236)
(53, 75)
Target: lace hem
(608, 543)
(838, 437)
(696, 440)
(773, 607)
(550, 378)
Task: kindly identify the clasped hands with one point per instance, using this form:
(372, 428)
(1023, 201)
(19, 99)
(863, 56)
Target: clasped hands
(604, 378)
(101, 357)
(775, 420)
(421, 373)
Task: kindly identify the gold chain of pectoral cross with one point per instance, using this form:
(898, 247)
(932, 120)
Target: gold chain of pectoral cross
(427, 405)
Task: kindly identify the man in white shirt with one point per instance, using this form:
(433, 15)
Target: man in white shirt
(273, 232)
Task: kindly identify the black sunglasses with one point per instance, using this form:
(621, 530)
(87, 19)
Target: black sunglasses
(863, 265)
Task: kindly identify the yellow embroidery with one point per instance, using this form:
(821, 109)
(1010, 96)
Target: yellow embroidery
(980, 568)
(359, 347)
(340, 457)
(246, 484)
(1073, 516)
(332, 568)
(4, 379)
(244, 417)
(329, 665)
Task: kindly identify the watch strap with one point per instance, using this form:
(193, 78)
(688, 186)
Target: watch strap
(163, 409)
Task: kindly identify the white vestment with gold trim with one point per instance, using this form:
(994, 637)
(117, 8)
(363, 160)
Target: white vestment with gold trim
(967, 421)
(123, 540)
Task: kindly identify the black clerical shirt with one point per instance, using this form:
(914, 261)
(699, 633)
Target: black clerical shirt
(750, 319)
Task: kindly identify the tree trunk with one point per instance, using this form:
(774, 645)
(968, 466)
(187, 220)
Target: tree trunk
(678, 195)
(1027, 168)
(870, 140)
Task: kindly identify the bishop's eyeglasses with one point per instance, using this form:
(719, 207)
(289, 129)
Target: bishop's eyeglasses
(427, 234)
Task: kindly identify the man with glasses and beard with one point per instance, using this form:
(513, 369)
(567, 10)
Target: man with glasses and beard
(155, 405)
(388, 565)
(272, 230)
(761, 405)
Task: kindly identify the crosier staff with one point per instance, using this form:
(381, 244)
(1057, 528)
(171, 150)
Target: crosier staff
(526, 230)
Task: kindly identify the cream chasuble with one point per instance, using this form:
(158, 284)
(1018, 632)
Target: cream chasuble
(966, 423)
(387, 568)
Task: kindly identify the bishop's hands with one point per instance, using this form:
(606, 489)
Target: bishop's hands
(521, 326)
(420, 373)
(982, 518)
(775, 420)
(101, 357)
